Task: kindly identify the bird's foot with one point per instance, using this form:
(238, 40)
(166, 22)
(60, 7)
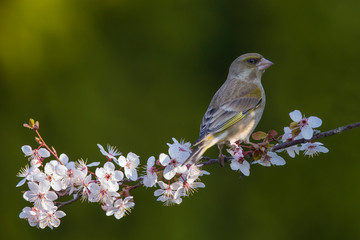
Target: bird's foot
(221, 159)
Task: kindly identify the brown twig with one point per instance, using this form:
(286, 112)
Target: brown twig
(62, 204)
(52, 151)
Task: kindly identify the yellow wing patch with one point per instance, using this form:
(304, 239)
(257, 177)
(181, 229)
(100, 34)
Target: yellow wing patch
(232, 121)
(237, 118)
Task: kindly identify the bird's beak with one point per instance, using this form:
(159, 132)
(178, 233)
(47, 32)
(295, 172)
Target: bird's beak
(264, 64)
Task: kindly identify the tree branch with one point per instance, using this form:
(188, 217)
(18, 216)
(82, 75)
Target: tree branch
(62, 204)
(292, 143)
(226, 159)
(317, 136)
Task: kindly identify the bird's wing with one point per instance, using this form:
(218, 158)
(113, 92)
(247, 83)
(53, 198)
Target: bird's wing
(217, 119)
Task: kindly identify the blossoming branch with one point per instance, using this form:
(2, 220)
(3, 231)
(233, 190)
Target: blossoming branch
(112, 185)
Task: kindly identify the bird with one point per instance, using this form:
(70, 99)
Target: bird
(236, 108)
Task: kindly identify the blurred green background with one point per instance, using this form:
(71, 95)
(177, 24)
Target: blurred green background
(136, 73)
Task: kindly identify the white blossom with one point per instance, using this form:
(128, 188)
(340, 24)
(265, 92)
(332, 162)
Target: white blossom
(30, 174)
(179, 151)
(101, 193)
(50, 218)
(172, 166)
(287, 136)
(169, 194)
(82, 167)
(121, 207)
(238, 162)
(150, 178)
(306, 125)
(36, 153)
(84, 187)
(190, 186)
(270, 158)
(111, 153)
(72, 177)
(35, 156)
(312, 149)
(40, 195)
(55, 173)
(109, 176)
(130, 164)
(31, 215)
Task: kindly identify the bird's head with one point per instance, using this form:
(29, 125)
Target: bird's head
(249, 65)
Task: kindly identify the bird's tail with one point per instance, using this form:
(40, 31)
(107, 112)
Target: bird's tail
(198, 152)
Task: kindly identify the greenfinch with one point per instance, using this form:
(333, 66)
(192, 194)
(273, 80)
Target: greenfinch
(236, 108)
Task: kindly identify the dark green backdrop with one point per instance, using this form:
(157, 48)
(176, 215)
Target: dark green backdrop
(136, 73)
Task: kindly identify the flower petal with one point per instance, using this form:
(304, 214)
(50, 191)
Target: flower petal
(118, 175)
(27, 150)
(276, 159)
(295, 116)
(164, 159)
(56, 185)
(158, 192)
(60, 214)
(21, 182)
(150, 162)
(51, 195)
(43, 152)
(163, 185)
(109, 166)
(307, 132)
(122, 161)
(133, 158)
(102, 150)
(169, 172)
(235, 165)
(100, 172)
(314, 122)
(33, 187)
(60, 170)
(322, 149)
(181, 169)
(64, 158)
(93, 164)
(131, 174)
(176, 185)
(44, 186)
(245, 168)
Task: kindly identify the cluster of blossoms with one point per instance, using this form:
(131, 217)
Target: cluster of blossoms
(262, 153)
(181, 180)
(303, 127)
(48, 181)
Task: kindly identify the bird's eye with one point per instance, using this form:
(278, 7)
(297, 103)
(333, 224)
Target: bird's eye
(252, 60)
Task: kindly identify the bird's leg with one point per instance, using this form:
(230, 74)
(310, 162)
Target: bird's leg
(221, 156)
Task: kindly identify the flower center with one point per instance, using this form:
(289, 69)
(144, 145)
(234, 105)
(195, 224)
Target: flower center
(108, 176)
(70, 173)
(40, 195)
(303, 122)
(152, 170)
(128, 164)
(103, 192)
(173, 162)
